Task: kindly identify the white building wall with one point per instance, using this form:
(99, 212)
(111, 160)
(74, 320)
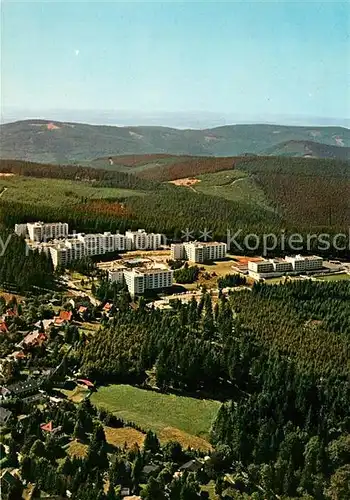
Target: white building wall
(21, 229)
(177, 251)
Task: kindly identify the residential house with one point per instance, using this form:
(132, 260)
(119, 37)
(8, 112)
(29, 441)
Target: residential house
(3, 327)
(191, 466)
(50, 428)
(107, 308)
(82, 311)
(63, 318)
(45, 323)
(34, 338)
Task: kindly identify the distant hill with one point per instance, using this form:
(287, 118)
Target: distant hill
(310, 149)
(58, 142)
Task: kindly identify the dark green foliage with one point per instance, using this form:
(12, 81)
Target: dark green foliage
(22, 269)
(231, 280)
(187, 274)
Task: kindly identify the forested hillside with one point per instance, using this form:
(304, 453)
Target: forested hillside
(73, 172)
(310, 149)
(309, 190)
(58, 142)
(260, 195)
(285, 422)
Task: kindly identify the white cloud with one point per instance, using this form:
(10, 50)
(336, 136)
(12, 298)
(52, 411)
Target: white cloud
(77, 52)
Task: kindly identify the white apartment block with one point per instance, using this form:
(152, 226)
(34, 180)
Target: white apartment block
(21, 230)
(261, 266)
(289, 265)
(177, 251)
(282, 266)
(101, 243)
(116, 275)
(139, 280)
(53, 238)
(140, 240)
(199, 252)
(40, 231)
(301, 264)
(65, 251)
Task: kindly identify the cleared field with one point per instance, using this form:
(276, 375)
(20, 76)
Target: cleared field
(172, 417)
(185, 166)
(76, 395)
(233, 185)
(136, 163)
(122, 436)
(57, 191)
(334, 277)
(77, 449)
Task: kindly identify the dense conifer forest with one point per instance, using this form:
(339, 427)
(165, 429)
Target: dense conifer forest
(279, 359)
(21, 268)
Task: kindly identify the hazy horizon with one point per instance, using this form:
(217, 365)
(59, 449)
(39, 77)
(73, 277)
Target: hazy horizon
(180, 120)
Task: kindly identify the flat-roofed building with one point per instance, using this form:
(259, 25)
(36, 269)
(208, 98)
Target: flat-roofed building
(65, 251)
(290, 265)
(21, 230)
(196, 251)
(313, 262)
(116, 275)
(260, 267)
(281, 266)
(41, 231)
(140, 279)
(53, 239)
(309, 263)
(177, 251)
(140, 240)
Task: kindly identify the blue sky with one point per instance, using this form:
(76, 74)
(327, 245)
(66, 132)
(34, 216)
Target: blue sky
(239, 59)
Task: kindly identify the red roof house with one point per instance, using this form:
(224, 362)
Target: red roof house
(47, 427)
(34, 338)
(85, 382)
(20, 355)
(66, 315)
(3, 327)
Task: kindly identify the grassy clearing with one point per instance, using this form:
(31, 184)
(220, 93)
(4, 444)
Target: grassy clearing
(77, 449)
(57, 191)
(233, 185)
(334, 277)
(76, 395)
(187, 440)
(171, 416)
(122, 436)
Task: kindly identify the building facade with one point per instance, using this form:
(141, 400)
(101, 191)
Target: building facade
(116, 275)
(40, 231)
(199, 252)
(53, 239)
(309, 263)
(139, 280)
(274, 268)
(140, 240)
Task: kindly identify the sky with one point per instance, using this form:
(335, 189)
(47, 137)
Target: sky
(238, 61)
